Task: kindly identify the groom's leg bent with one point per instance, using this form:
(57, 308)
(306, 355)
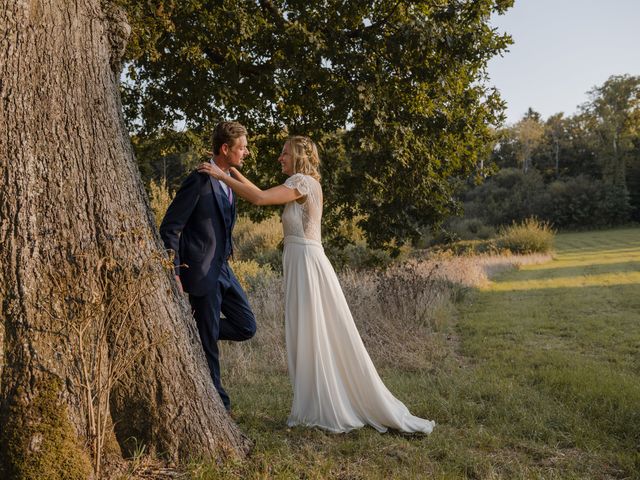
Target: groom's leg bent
(239, 322)
(206, 310)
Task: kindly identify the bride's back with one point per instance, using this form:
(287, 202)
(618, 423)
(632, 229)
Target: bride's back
(303, 219)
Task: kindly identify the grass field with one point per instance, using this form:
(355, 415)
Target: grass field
(534, 375)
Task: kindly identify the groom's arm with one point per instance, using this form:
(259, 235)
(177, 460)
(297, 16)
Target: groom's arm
(178, 214)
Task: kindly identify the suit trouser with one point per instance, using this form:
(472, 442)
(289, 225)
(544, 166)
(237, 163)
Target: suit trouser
(237, 325)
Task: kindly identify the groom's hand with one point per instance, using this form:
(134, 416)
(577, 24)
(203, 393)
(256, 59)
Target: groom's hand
(177, 277)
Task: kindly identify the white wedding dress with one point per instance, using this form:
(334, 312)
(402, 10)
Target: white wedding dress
(335, 384)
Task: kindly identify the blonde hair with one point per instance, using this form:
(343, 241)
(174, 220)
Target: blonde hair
(305, 156)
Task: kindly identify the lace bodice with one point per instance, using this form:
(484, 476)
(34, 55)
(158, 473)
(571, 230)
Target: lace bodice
(303, 219)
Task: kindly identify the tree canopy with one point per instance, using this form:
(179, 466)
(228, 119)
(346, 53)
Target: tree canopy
(395, 93)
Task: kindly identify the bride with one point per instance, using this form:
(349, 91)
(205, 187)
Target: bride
(335, 384)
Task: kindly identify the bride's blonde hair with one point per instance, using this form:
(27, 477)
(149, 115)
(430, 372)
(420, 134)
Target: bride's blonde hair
(305, 156)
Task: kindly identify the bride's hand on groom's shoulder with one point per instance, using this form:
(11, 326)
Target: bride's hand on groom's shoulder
(210, 169)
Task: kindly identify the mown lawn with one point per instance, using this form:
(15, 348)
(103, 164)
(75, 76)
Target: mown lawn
(537, 376)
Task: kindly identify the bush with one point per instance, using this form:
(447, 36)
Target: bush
(358, 257)
(573, 203)
(530, 236)
(469, 229)
(260, 242)
(471, 247)
(252, 275)
(510, 195)
(348, 248)
(159, 198)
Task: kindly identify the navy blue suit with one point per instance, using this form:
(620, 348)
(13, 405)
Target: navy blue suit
(197, 227)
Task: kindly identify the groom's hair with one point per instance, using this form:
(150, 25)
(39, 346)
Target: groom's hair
(226, 132)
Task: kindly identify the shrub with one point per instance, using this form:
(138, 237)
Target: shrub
(159, 197)
(470, 247)
(469, 229)
(358, 257)
(348, 248)
(260, 242)
(252, 275)
(573, 202)
(510, 195)
(530, 236)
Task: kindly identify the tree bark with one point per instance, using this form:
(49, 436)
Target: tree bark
(72, 195)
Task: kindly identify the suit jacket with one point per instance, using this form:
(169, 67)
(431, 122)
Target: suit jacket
(197, 227)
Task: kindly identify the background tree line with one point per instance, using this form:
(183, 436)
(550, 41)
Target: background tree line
(574, 171)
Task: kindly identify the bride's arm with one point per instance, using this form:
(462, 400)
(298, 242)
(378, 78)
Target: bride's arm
(241, 178)
(234, 171)
(247, 190)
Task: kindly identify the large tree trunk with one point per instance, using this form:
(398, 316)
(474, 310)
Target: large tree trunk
(76, 227)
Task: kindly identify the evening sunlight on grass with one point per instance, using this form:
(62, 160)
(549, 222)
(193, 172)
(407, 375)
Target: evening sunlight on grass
(532, 374)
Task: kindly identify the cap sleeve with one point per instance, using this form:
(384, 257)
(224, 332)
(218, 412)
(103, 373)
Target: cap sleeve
(299, 182)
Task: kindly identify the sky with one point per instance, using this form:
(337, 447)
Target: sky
(561, 50)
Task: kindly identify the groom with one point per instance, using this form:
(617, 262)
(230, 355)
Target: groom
(197, 227)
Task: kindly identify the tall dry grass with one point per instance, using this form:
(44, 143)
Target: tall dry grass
(403, 313)
(159, 199)
(477, 270)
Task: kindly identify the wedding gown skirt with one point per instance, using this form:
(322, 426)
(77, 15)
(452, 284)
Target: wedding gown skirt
(335, 384)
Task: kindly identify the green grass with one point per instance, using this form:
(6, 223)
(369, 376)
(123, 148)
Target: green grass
(540, 379)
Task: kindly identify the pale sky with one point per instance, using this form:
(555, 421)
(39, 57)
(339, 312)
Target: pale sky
(561, 50)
